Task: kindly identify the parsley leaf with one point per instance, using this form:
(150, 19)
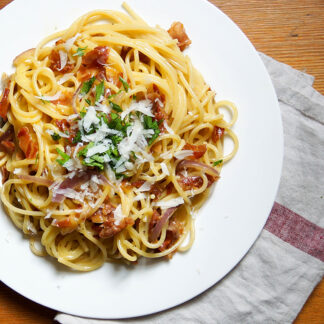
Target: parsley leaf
(88, 101)
(80, 51)
(115, 107)
(125, 84)
(56, 136)
(100, 89)
(115, 94)
(64, 156)
(93, 163)
(77, 137)
(87, 85)
(217, 162)
(150, 124)
(84, 151)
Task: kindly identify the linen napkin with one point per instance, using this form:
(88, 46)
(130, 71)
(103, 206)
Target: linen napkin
(273, 281)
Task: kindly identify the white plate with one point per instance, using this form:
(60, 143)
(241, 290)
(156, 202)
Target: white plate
(232, 218)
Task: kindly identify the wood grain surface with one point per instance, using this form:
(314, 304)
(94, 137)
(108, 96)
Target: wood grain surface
(289, 31)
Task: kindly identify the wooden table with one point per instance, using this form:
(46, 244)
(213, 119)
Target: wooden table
(289, 31)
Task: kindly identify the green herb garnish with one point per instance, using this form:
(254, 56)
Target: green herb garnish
(115, 107)
(64, 156)
(87, 85)
(115, 94)
(217, 162)
(56, 136)
(125, 84)
(80, 51)
(100, 89)
(77, 137)
(150, 124)
(88, 101)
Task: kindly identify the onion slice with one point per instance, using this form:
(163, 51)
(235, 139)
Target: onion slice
(76, 180)
(199, 166)
(156, 231)
(38, 180)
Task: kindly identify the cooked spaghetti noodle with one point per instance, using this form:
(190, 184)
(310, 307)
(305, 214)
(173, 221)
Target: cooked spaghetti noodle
(110, 141)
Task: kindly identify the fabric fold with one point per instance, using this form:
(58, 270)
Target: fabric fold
(273, 281)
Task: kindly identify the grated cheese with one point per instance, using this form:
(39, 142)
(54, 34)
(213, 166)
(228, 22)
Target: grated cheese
(118, 215)
(50, 98)
(143, 106)
(146, 186)
(63, 59)
(165, 169)
(65, 78)
(169, 203)
(69, 43)
(180, 155)
(167, 127)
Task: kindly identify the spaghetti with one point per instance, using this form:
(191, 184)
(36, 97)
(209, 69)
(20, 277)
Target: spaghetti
(110, 141)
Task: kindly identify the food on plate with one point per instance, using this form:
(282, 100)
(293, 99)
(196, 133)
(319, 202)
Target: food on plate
(110, 141)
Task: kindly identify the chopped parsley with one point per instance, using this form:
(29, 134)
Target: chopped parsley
(115, 107)
(217, 162)
(124, 83)
(64, 156)
(56, 136)
(77, 138)
(80, 51)
(88, 101)
(150, 124)
(100, 89)
(86, 86)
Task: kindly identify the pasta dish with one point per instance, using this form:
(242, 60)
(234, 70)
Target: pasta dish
(110, 141)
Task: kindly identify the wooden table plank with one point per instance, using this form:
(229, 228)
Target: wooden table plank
(289, 31)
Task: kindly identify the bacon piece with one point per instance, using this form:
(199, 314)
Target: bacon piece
(6, 141)
(154, 219)
(218, 133)
(55, 63)
(178, 32)
(8, 146)
(156, 190)
(137, 184)
(4, 174)
(105, 217)
(126, 186)
(4, 103)
(93, 63)
(96, 58)
(64, 99)
(68, 128)
(188, 183)
(174, 231)
(26, 143)
(169, 188)
(198, 150)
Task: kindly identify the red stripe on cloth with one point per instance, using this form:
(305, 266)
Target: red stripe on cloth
(296, 230)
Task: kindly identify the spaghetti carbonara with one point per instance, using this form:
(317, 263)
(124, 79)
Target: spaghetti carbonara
(110, 140)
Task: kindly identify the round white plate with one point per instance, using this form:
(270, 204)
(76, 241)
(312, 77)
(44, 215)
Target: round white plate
(232, 218)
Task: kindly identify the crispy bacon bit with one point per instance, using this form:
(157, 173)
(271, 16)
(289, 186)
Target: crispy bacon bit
(96, 58)
(170, 188)
(173, 233)
(126, 186)
(138, 183)
(66, 127)
(113, 76)
(178, 32)
(188, 183)
(158, 100)
(198, 150)
(154, 219)
(156, 190)
(218, 133)
(67, 222)
(8, 146)
(4, 103)
(26, 143)
(64, 99)
(59, 42)
(211, 180)
(4, 174)
(55, 63)
(105, 217)
(93, 63)
(6, 141)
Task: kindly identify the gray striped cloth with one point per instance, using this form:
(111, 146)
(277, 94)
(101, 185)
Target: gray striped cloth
(273, 281)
